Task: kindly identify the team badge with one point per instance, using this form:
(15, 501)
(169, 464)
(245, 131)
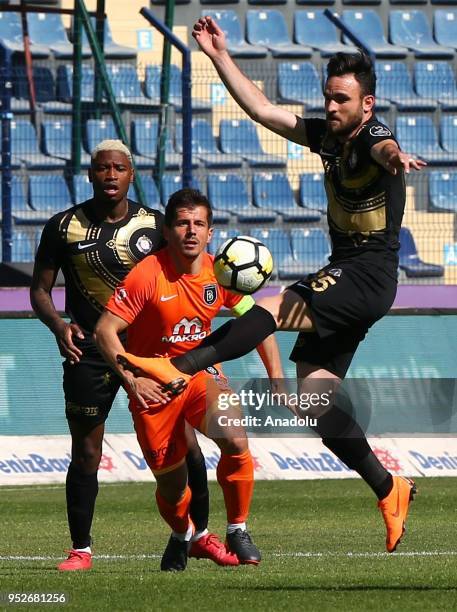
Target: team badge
(120, 294)
(144, 244)
(380, 130)
(209, 294)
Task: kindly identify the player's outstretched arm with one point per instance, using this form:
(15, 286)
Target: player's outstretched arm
(211, 40)
(43, 281)
(388, 155)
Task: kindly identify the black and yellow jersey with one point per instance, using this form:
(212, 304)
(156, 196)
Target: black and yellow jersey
(95, 256)
(365, 202)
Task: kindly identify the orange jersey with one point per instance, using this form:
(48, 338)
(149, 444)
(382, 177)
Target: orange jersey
(168, 312)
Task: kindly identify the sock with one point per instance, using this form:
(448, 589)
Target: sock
(176, 515)
(186, 536)
(232, 527)
(235, 474)
(344, 437)
(234, 339)
(199, 534)
(81, 491)
(198, 484)
(87, 549)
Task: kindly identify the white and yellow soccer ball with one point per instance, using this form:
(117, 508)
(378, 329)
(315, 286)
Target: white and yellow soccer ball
(243, 265)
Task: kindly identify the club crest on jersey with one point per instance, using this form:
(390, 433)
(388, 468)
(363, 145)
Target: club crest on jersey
(210, 294)
(121, 294)
(144, 244)
(380, 130)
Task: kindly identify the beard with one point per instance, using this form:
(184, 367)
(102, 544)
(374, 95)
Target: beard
(351, 124)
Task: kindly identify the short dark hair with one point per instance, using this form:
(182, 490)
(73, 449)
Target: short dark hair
(359, 64)
(186, 198)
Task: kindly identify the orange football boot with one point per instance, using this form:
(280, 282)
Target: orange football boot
(77, 560)
(210, 547)
(159, 369)
(394, 509)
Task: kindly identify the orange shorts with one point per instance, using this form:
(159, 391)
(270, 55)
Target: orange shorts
(160, 428)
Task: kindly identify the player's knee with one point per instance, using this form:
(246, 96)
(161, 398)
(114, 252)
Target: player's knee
(233, 446)
(88, 460)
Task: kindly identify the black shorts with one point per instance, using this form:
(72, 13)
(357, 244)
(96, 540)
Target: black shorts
(90, 386)
(346, 298)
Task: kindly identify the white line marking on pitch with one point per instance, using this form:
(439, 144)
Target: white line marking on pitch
(369, 555)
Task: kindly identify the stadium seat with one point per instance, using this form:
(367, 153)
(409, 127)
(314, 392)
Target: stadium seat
(150, 191)
(127, 88)
(278, 242)
(229, 23)
(448, 2)
(82, 188)
(442, 190)
(393, 82)
(312, 191)
(11, 37)
(445, 27)
(268, 28)
(45, 90)
(144, 144)
(48, 29)
(362, 2)
(367, 25)
(408, 1)
(417, 135)
(49, 194)
(239, 137)
(152, 89)
(111, 50)
(228, 192)
(65, 83)
(220, 235)
(25, 244)
(310, 250)
(312, 28)
(171, 183)
(25, 149)
(436, 79)
(299, 83)
(57, 141)
(412, 30)
(316, 2)
(410, 262)
(267, 2)
(273, 191)
(204, 146)
(21, 211)
(448, 133)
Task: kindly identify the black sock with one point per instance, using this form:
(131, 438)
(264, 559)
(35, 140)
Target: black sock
(343, 436)
(198, 483)
(82, 492)
(234, 339)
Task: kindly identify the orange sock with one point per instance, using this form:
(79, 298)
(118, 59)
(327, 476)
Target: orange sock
(176, 515)
(235, 474)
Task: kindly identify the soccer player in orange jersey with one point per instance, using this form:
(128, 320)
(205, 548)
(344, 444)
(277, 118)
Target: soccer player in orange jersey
(167, 303)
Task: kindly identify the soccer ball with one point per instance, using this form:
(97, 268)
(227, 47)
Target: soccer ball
(243, 265)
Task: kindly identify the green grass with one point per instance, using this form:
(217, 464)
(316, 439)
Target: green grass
(328, 519)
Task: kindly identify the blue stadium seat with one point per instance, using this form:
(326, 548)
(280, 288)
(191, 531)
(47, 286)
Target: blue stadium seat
(442, 190)
(273, 191)
(408, 1)
(111, 50)
(220, 235)
(150, 191)
(312, 191)
(436, 79)
(316, 2)
(412, 30)
(144, 144)
(57, 141)
(21, 211)
(362, 2)
(268, 28)
(267, 2)
(229, 192)
(49, 194)
(171, 183)
(445, 27)
(300, 83)
(25, 149)
(312, 28)
(278, 242)
(230, 24)
(127, 88)
(204, 146)
(25, 244)
(310, 249)
(48, 29)
(367, 25)
(65, 83)
(410, 262)
(239, 137)
(417, 135)
(152, 89)
(82, 188)
(448, 2)
(45, 91)
(393, 82)
(448, 133)
(11, 37)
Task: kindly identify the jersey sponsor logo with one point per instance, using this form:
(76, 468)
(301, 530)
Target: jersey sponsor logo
(165, 298)
(144, 244)
(186, 331)
(210, 294)
(82, 245)
(120, 294)
(380, 130)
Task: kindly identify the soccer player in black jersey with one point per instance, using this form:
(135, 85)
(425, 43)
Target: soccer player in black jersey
(95, 244)
(333, 308)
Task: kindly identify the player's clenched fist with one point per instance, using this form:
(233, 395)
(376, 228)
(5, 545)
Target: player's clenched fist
(210, 38)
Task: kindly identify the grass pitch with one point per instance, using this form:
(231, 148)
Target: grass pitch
(322, 544)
